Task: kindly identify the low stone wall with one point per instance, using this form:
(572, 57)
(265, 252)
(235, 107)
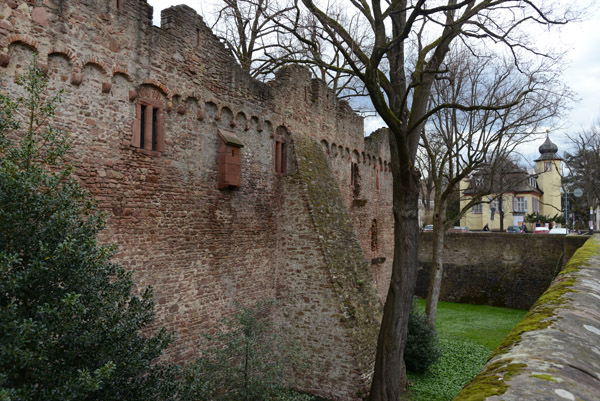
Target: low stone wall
(500, 269)
(554, 352)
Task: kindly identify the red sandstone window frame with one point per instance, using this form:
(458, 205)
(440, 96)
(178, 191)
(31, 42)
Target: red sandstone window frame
(355, 179)
(148, 126)
(374, 234)
(280, 153)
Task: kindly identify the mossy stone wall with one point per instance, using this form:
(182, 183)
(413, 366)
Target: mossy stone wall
(349, 277)
(553, 353)
(499, 269)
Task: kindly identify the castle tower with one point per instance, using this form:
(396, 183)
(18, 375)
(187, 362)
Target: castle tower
(548, 168)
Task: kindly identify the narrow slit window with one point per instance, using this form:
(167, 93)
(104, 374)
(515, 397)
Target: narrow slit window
(154, 124)
(280, 157)
(143, 127)
(374, 245)
(355, 180)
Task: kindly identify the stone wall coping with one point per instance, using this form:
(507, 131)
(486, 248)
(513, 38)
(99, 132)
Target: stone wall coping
(553, 353)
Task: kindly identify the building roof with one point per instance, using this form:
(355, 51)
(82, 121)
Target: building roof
(508, 178)
(548, 150)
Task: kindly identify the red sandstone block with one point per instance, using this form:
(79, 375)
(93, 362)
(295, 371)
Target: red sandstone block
(76, 78)
(4, 60)
(40, 16)
(5, 26)
(106, 87)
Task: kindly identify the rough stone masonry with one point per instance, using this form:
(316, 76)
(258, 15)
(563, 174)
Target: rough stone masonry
(219, 188)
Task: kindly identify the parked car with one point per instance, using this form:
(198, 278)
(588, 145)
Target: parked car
(428, 228)
(458, 229)
(541, 230)
(556, 230)
(513, 229)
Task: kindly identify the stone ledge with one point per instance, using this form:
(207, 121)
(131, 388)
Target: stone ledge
(554, 352)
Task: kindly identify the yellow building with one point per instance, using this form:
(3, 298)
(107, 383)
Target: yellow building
(516, 191)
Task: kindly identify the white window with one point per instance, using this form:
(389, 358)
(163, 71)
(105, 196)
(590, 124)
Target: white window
(520, 204)
(477, 209)
(547, 166)
(532, 181)
(535, 205)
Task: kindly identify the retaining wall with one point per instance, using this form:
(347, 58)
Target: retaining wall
(499, 269)
(554, 352)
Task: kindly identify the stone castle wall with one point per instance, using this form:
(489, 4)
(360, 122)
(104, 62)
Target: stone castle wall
(202, 248)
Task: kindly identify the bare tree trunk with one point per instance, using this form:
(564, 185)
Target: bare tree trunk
(501, 211)
(437, 262)
(389, 378)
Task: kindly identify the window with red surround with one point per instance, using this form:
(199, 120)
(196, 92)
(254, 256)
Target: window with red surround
(355, 179)
(229, 160)
(374, 245)
(148, 127)
(281, 149)
(280, 156)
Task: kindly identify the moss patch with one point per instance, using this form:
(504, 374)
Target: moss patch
(545, 377)
(492, 381)
(581, 257)
(359, 303)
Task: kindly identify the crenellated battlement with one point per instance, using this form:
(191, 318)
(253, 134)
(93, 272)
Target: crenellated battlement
(199, 65)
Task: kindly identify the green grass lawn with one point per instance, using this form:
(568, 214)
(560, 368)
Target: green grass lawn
(468, 335)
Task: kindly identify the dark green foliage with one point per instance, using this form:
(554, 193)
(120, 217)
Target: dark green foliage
(543, 219)
(422, 344)
(69, 322)
(468, 335)
(248, 362)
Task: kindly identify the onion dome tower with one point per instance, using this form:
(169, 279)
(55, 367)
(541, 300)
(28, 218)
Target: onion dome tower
(549, 177)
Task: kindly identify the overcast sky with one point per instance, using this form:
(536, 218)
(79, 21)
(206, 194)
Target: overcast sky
(583, 74)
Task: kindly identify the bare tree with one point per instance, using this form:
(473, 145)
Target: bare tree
(507, 105)
(256, 33)
(400, 92)
(250, 30)
(584, 168)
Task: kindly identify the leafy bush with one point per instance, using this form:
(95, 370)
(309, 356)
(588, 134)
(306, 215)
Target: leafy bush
(69, 321)
(422, 344)
(248, 361)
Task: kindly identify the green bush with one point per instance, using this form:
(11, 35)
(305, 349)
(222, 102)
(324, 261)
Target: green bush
(248, 361)
(69, 320)
(422, 345)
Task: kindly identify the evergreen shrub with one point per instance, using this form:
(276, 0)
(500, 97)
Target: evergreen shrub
(70, 320)
(422, 344)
